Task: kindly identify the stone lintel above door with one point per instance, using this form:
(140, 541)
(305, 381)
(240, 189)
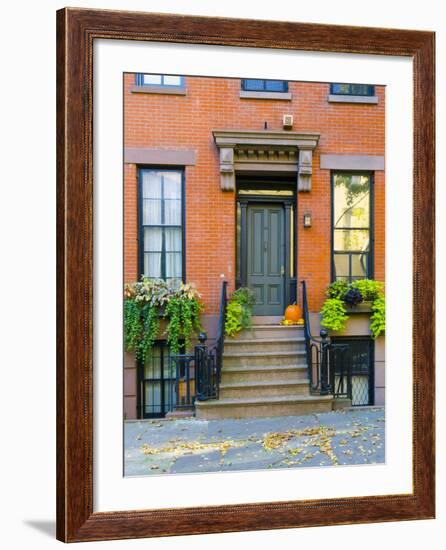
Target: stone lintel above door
(267, 151)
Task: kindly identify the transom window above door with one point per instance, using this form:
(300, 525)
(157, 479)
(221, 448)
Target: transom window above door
(166, 80)
(351, 226)
(161, 224)
(262, 85)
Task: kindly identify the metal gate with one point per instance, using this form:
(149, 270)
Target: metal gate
(361, 352)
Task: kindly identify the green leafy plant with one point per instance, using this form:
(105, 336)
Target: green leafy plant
(334, 314)
(338, 289)
(239, 311)
(341, 293)
(370, 289)
(146, 301)
(378, 318)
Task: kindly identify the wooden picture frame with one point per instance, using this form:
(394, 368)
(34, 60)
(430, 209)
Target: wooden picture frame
(76, 31)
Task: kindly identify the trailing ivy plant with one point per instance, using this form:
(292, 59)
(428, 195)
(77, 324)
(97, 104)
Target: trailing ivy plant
(378, 318)
(239, 311)
(334, 314)
(341, 294)
(148, 300)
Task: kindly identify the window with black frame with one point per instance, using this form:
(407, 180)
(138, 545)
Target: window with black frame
(161, 224)
(352, 89)
(164, 80)
(351, 226)
(262, 85)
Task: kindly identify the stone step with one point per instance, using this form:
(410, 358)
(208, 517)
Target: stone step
(264, 389)
(265, 358)
(266, 319)
(258, 373)
(268, 331)
(264, 344)
(285, 405)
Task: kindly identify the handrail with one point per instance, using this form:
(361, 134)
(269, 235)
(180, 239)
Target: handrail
(208, 361)
(220, 340)
(329, 369)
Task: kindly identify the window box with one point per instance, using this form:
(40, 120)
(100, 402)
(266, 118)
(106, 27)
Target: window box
(363, 307)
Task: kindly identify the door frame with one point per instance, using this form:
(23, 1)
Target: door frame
(288, 203)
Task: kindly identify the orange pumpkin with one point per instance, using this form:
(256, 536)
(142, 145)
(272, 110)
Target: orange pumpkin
(293, 313)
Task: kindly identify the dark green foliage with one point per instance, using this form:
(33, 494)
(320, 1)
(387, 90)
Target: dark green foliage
(149, 300)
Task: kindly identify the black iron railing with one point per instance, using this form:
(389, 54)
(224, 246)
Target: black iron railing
(198, 374)
(329, 364)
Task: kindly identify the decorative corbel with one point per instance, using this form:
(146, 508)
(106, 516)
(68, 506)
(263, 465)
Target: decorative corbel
(305, 169)
(227, 174)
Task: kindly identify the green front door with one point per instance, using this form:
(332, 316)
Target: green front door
(266, 257)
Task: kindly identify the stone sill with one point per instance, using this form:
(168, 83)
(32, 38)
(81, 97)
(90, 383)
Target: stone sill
(157, 90)
(281, 96)
(333, 98)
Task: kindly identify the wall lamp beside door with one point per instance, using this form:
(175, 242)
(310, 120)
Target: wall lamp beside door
(307, 219)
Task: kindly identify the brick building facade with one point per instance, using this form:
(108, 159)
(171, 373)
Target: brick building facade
(230, 141)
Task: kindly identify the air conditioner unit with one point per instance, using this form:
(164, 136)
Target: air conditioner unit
(287, 121)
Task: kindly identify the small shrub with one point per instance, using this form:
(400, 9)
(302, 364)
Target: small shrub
(239, 311)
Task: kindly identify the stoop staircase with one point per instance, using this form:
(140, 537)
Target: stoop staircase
(264, 373)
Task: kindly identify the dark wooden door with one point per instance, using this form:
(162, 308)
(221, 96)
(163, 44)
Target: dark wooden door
(266, 257)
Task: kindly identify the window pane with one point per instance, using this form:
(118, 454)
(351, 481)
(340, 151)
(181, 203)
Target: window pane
(152, 367)
(254, 84)
(355, 239)
(151, 184)
(152, 79)
(153, 239)
(341, 265)
(152, 397)
(172, 80)
(359, 266)
(274, 85)
(172, 212)
(152, 265)
(173, 239)
(173, 265)
(351, 201)
(151, 212)
(172, 185)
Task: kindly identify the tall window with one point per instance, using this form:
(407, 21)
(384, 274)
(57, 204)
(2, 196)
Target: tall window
(161, 235)
(262, 85)
(171, 81)
(352, 226)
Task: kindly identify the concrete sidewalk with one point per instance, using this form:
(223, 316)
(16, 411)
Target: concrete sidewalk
(187, 445)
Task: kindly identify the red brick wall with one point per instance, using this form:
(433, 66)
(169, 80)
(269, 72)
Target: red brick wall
(187, 121)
